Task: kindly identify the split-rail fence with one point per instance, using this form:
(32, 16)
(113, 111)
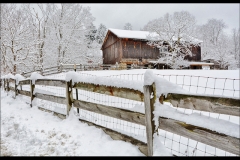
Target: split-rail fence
(228, 106)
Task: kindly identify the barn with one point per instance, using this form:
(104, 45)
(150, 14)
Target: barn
(130, 47)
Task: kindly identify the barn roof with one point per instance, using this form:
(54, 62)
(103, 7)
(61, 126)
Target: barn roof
(133, 34)
(129, 33)
(141, 35)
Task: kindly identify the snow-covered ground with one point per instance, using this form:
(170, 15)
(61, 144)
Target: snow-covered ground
(30, 131)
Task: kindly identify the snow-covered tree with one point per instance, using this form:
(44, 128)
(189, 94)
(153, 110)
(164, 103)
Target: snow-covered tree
(236, 45)
(210, 34)
(127, 26)
(222, 53)
(39, 18)
(91, 35)
(101, 33)
(16, 39)
(218, 45)
(69, 26)
(176, 33)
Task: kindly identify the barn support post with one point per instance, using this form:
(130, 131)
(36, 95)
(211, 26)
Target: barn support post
(32, 87)
(149, 99)
(69, 96)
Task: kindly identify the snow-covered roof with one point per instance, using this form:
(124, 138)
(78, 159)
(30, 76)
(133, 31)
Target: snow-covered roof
(139, 34)
(129, 33)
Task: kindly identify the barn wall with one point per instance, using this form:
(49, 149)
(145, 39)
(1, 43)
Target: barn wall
(196, 50)
(115, 49)
(136, 49)
(196, 54)
(111, 50)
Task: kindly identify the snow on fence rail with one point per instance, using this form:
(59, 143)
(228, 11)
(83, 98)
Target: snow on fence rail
(65, 68)
(150, 112)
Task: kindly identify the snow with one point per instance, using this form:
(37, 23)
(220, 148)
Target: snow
(201, 63)
(30, 131)
(18, 77)
(34, 76)
(213, 124)
(134, 34)
(129, 33)
(113, 82)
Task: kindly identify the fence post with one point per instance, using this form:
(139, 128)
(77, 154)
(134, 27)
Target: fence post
(4, 84)
(149, 100)
(8, 89)
(75, 69)
(15, 88)
(32, 86)
(69, 96)
(61, 67)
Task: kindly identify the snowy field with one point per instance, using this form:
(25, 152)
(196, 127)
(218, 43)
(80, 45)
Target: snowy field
(29, 131)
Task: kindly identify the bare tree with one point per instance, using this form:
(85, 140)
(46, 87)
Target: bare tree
(101, 33)
(218, 45)
(236, 45)
(176, 33)
(210, 34)
(128, 26)
(222, 52)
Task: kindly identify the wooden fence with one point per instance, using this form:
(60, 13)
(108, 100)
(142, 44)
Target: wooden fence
(226, 106)
(67, 67)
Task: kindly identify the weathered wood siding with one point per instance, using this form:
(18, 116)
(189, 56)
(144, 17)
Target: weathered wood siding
(196, 54)
(111, 49)
(137, 48)
(115, 49)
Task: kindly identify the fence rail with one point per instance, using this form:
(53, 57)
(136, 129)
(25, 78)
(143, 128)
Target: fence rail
(220, 105)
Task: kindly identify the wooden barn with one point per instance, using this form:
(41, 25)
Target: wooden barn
(130, 47)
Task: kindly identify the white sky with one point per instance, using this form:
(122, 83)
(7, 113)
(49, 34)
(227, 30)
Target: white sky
(29, 131)
(116, 15)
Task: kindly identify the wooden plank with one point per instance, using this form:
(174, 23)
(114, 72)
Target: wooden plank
(50, 82)
(69, 96)
(52, 98)
(15, 88)
(24, 82)
(149, 108)
(50, 67)
(203, 135)
(4, 84)
(50, 73)
(62, 116)
(26, 93)
(11, 88)
(32, 86)
(7, 87)
(220, 105)
(113, 91)
(118, 136)
(11, 80)
(118, 113)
